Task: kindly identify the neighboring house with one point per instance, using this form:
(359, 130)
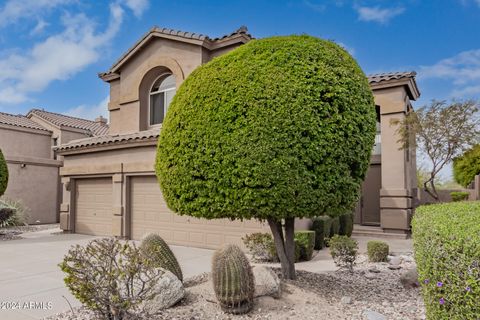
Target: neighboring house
(110, 184)
(27, 143)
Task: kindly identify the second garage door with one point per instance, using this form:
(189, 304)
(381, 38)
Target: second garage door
(93, 211)
(149, 213)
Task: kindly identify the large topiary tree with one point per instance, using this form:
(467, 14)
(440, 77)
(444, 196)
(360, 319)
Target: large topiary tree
(467, 166)
(3, 174)
(279, 128)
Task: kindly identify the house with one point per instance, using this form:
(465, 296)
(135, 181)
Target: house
(109, 181)
(27, 143)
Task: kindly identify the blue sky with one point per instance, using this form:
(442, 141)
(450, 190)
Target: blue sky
(52, 50)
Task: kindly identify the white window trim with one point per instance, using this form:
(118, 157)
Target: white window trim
(150, 93)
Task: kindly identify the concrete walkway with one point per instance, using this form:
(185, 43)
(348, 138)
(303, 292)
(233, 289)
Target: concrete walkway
(29, 273)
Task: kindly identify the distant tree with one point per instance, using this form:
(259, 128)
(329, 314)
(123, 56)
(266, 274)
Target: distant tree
(442, 132)
(277, 129)
(467, 166)
(3, 174)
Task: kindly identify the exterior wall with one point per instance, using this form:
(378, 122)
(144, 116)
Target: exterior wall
(444, 195)
(398, 166)
(25, 142)
(125, 110)
(35, 184)
(33, 174)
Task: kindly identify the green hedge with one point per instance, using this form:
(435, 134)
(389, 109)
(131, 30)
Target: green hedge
(346, 224)
(446, 240)
(335, 228)
(459, 195)
(321, 226)
(306, 241)
(3, 174)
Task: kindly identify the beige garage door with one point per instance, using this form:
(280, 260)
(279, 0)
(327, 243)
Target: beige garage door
(94, 206)
(149, 213)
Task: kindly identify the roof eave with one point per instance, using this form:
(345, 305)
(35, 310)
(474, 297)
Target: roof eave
(409, 83)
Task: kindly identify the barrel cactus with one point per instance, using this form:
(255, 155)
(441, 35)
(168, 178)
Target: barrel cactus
(158, 251)
(233, 280)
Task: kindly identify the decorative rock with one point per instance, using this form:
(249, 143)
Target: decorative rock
(395, 261)
(409, 279)
(267, 282)
(374, 270)
(169, 290)
(370, 276)
(373, 315)
(346, 300)
(394, 267)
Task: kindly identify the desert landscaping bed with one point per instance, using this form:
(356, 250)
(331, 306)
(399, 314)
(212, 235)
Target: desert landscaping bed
(373, 292)
(14, 233)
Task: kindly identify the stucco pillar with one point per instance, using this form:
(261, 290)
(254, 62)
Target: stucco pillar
(65, 214)
(117, 218)
(396, 196)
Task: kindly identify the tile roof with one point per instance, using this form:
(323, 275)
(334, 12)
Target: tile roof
(20, 121)
(176, 33)
(380, 77)
(93, 127)
(111, 139)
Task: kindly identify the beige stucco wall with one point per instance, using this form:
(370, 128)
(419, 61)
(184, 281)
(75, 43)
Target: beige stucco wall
(36, 186)
(16, 141)
(127, 115)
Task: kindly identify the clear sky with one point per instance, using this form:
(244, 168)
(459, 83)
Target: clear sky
(52, 50)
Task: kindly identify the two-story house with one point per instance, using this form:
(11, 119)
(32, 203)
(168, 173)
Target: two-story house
(109, 181)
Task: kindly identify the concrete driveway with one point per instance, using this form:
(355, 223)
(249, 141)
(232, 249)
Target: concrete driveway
(31, 284)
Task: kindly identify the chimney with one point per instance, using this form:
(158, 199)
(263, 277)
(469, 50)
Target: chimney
(101, 120)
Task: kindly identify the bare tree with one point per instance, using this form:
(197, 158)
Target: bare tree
(442, 131)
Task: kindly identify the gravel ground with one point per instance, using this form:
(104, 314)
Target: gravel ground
(372, 290)
(14, 233)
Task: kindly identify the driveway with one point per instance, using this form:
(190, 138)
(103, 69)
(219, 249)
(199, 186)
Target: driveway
(32, 284)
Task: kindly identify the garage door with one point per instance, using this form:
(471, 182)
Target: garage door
(149, 213)
(94, 206)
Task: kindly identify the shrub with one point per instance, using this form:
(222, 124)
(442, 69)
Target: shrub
(335, 226)
(6, 215)
(306, 243)
(20, 213)
(344, 251)
(109, 277)
(156, 249)
(3, 174)
(346, 224)
(262, 247)
(446, 239)
(377, 251)
(321, 225)
(467, 166)
(459, 195)
(228, 150)
(233, 280)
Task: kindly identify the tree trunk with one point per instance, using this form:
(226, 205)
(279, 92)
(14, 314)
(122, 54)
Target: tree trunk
(285, 245)
(433, 191)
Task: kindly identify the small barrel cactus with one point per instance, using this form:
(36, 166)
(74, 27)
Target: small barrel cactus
(233, 280)
(158, 251)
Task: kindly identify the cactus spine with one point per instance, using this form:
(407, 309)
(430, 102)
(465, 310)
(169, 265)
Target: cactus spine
(233, 280)
(159, 253)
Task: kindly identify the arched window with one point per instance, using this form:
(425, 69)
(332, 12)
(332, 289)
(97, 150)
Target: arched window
(161, 94)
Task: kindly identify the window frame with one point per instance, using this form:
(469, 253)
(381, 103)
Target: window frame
(164, 75)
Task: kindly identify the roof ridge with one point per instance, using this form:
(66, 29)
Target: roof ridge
(61, 114)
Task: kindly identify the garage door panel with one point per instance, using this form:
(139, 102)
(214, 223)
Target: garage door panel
(149, 213)
(93, 214)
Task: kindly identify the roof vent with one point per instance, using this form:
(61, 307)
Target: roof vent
(101, 120)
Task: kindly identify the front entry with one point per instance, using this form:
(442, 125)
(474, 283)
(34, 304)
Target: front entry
(368, 209)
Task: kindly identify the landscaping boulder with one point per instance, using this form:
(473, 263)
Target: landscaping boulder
(267, 282)
(409, 279)
(169, 291)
